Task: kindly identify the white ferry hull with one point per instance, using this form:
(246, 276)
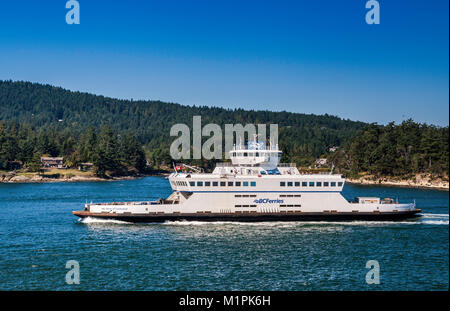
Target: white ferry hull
(252, 207)
(254, 217)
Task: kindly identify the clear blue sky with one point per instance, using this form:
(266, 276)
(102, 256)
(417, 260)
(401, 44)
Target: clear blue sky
(301, 56)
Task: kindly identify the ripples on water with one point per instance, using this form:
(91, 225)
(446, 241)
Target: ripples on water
(38, 235)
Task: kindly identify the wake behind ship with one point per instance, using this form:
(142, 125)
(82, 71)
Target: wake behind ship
(254, 186)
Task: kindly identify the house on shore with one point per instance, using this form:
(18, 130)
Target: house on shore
(52, 162)
(85, 166)
(321, 162)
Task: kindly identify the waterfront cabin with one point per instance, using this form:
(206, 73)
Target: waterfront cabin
(85, 166)
(52, 162)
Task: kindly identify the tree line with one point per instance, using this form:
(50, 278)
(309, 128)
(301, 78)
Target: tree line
(396, 150)
(111, 153)
(118, 135)
(303, 136)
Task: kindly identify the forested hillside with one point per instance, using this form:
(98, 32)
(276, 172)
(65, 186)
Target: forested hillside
(117, 135)
(45, 107)
(396, 150)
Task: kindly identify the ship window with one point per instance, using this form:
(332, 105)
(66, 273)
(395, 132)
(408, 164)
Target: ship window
(326, 183)
(253, 183)
(304, 183)
(297, 184)
(245, 183)
(215, 183)
(319, 184)
(282, 184)
(340, 184)
(222, 184)
(289, 183)
(238, 184)
(192, 183)
(311, 184)
(230, 184)
(199, 183)
(207, 183)
(333, 184)
(237, 196)
(245, 154)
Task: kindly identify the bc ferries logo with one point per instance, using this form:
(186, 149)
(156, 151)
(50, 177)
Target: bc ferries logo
(259, 201)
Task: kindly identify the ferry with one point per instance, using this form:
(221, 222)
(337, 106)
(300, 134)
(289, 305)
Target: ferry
(253, 187)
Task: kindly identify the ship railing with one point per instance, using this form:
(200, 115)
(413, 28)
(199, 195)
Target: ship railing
(224, 164)
(287, 165)
(125, 203)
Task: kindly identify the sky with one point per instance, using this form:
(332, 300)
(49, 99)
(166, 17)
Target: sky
(312, 57)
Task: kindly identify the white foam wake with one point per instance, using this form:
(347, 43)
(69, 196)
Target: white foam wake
(435, 222)
(429, 215)
(93, 220)
(425, 219)
(284, 224)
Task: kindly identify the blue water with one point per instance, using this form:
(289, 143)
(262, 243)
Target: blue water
(38, 235)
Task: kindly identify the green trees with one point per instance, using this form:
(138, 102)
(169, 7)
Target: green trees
(34, 165)
(111, 156)
(131, 152)
(113, 134)
(55, 110)
(106, 156)
(396, 150)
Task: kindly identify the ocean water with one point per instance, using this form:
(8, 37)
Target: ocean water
(38, 235)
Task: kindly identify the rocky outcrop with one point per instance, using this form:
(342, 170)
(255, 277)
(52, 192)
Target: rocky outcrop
(19, 178)
(419, 180)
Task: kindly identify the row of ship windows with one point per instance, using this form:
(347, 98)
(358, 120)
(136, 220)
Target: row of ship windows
(255, 154)
(310, 184)
(253, 184)
(217, 183)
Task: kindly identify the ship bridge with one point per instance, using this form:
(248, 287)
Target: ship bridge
(256, 155)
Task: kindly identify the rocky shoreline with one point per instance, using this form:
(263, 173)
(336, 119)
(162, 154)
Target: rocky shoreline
(42, 179)
(418, 182)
